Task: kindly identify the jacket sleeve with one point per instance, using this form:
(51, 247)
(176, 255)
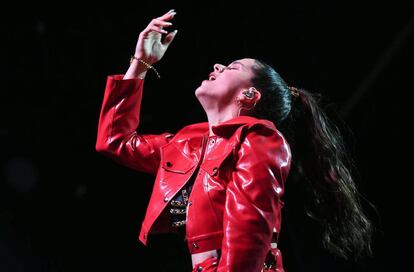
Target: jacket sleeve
(118, 121)
(252, 208)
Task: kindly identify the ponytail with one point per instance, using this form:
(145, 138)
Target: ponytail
(319, 159)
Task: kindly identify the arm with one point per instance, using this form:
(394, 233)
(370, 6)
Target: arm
(119, 116)
(253, 201)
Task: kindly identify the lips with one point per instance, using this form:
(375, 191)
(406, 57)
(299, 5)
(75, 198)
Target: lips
(212, 76)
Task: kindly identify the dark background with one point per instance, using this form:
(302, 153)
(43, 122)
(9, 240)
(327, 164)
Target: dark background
(64, 207)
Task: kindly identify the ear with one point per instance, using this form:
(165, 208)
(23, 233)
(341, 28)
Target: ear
(251, 95)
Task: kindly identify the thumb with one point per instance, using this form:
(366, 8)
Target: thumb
(169, 38)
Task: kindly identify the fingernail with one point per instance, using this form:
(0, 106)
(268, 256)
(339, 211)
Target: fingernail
(172, 10)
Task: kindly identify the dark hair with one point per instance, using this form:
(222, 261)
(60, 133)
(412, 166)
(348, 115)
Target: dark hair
(317, 143)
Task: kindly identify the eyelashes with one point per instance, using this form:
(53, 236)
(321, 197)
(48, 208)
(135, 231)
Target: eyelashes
(222, 68)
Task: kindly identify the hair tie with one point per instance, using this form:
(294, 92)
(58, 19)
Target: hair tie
(294, 91)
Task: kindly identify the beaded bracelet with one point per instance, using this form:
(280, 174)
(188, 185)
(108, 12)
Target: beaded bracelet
(149, 66)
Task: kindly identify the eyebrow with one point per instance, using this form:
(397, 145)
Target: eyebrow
(237, 62)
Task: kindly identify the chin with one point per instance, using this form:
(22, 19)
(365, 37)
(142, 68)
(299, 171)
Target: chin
(200, 91)
(202, 95)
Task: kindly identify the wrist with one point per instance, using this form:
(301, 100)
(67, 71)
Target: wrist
(143, 57)
(143, 63)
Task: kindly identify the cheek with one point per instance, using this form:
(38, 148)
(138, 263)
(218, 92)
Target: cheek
(224, 89)
(230, 86)
(227, 83)
(238, 80)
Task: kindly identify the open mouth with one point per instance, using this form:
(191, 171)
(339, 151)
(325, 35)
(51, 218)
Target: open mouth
(212, 77)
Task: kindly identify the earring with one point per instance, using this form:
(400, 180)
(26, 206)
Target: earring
(249, 93)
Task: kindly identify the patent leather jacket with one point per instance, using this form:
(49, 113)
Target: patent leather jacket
(235, 204)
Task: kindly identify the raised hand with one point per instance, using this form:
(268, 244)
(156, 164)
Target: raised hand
(150, 46)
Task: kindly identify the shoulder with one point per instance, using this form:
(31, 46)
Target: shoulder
(261, 129)
(263, 149)
(262, 137)
(196, 129)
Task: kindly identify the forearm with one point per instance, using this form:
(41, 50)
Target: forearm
(119, 119)
(120, 109)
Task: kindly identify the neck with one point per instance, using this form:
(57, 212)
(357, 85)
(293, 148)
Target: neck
(215, 118)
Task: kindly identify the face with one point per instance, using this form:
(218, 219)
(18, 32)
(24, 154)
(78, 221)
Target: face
(225, 83)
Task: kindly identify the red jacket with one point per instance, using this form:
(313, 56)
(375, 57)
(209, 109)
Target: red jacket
(235, 202)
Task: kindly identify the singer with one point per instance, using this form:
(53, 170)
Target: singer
(219, 184)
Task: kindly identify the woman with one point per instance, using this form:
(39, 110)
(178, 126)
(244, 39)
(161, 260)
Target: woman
(220, 183)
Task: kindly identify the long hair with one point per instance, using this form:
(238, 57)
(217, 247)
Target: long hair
(320, 159)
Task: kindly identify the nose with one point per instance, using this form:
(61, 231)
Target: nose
(218, 68)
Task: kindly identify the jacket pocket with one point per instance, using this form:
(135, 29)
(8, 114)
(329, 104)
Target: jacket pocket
(175, 161)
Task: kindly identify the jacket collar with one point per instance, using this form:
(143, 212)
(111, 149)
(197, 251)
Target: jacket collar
(225, 129)
(229, 127)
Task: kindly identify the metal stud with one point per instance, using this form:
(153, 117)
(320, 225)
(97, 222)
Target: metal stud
(215, 171)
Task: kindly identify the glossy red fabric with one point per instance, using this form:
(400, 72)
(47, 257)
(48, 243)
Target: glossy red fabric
(239, 174)
(208, 265)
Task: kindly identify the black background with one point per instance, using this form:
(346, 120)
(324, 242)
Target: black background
(64, 207)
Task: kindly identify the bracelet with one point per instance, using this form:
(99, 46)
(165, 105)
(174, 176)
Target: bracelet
(149, 66)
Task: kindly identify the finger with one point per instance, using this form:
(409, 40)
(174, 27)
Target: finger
(169, 38)
(151, 30)
(168, 16)
(157, 29)
(160, 23)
